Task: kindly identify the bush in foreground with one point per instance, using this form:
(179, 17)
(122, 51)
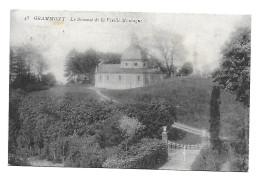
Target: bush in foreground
(147, 154)
(210, 159)
(152, 115)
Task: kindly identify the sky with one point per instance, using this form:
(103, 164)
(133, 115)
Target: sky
(100, 30)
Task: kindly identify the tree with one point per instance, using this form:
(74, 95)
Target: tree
(17, 65)
(234, 72)
(168, 49)
(40, 67)
(234, 76)
(215, 118)
(29, 54)
(26, 62)
(49, 79)
(81, 67)
(186, 69)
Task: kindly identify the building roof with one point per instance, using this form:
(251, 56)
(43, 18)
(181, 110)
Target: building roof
(134, 52)
(115, 69)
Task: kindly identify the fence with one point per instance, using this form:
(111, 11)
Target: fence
(181, 152)
(174, 145)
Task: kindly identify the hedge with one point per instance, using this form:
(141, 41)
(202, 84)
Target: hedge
(147, 154)
(153, 115)
(48, 123)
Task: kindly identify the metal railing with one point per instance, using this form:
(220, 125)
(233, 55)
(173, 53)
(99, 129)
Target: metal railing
(174, 145)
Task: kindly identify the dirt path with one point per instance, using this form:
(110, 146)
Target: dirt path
(102, 96)
(177, 160)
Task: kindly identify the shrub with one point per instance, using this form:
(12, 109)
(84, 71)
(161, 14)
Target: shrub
(147, 154)
(15, 98)
(16, 160)
(210, 159)
(152, 115)
(75, 129)
(83, 152)
(108, 132)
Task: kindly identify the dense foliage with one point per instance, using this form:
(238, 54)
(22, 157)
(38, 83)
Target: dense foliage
(234, 76)
(211, 159)
(185, 70)
(79, 131)
(27, 67)
(228, 152)
(48, 120)
(80, 67)
(234, 73)
(152, 115)
(191, 98)
(147, 154)
(15, 98)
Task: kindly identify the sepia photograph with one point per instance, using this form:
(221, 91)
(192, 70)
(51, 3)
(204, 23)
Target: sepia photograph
(129, 90)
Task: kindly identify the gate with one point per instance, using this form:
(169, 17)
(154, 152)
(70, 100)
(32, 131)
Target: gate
(183, 152)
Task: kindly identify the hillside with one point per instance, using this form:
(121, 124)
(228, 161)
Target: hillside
(191, 96)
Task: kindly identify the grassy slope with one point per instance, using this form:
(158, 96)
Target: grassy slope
(191, 96)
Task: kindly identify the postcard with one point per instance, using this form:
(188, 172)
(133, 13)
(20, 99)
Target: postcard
(160, 91)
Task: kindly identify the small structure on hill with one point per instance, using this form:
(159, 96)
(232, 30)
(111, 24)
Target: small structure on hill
(135, 70)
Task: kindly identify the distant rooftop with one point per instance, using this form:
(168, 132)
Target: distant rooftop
(115, 69)
(134, 52)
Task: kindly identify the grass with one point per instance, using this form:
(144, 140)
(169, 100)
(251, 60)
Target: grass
(191, 96)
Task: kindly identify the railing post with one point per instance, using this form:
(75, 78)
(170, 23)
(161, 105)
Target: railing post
(204, 137)
(184, 153)
(165, 135)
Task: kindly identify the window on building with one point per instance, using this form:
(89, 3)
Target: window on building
(119, 77)
(143, 64)
(107, 77)
(136, 64)
(126, 64)
(100, 77)
(138, 78)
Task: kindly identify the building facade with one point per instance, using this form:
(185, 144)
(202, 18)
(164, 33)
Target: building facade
(135, 70)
